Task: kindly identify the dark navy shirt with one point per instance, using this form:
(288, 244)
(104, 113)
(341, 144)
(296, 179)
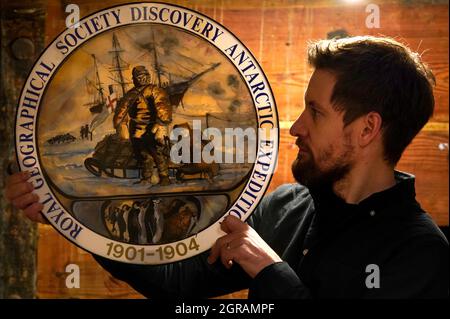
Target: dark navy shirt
(384, 247)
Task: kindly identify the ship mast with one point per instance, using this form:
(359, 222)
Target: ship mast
(155, 58)
(96, 106)
(98, 84)
(118, 65)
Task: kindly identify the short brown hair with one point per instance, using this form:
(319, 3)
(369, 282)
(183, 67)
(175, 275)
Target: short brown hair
(381, 75)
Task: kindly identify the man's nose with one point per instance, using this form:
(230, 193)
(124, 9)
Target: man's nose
(298, 128)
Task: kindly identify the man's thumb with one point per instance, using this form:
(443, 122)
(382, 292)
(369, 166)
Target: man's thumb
(233, 224)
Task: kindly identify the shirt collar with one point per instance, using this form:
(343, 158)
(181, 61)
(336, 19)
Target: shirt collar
(327, 202)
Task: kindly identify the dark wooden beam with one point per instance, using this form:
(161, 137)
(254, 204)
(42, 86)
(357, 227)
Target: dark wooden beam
(22, 40)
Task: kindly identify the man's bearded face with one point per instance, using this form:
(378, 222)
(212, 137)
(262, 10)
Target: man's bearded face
(330, 165)
(326, 150)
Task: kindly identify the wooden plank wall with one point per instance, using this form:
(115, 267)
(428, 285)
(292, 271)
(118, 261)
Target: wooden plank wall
(276, 32)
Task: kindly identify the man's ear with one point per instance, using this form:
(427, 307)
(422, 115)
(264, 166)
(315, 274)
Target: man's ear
(370, 129)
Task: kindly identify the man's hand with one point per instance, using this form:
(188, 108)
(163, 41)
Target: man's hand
(244, 246)
(19, 193)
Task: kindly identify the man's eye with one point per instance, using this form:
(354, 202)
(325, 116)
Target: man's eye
(313, 112)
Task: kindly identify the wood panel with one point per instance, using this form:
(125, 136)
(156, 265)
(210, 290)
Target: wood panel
(276, 31)
(278, 36)
(19, 22)
(55, 253)
(427, 159)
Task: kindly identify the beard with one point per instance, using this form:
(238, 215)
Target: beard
(312, 172)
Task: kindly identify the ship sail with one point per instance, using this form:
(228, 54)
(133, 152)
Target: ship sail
(117, 68)
(175, 90)
(104, 106)
(96, 106)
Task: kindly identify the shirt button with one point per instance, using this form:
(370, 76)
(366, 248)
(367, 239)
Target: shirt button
(372, 213)
(305, 251)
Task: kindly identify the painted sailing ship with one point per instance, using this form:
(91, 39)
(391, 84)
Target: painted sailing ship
(113, 156)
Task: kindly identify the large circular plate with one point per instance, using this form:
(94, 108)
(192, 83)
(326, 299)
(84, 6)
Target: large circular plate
(86, 170)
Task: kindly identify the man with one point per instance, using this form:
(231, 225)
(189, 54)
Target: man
(146, 110)
(82, 134)
(351, 228)
(87, 132)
